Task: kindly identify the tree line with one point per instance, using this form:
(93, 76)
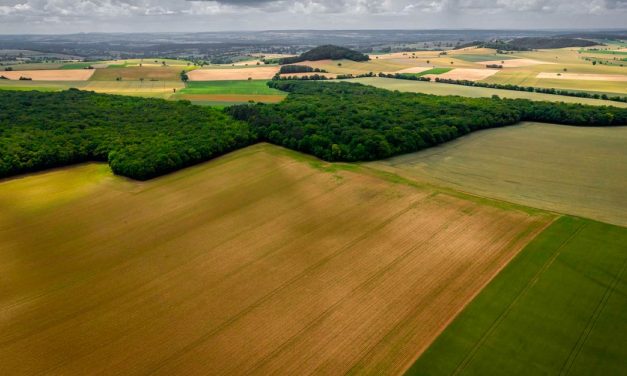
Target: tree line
(532, 89)
(353, 122)
(326, 52)
(287, 69)
(143, 138)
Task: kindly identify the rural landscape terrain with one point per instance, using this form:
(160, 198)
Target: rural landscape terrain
(443, 202)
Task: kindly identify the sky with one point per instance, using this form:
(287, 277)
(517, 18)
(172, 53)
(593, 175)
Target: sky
(71, 16)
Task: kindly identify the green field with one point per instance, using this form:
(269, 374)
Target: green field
(137, 73)
(434, 71)
(574, 170)
(474, 92)
(256, 87)
(81, 65)
(604, 52)
(557, 308)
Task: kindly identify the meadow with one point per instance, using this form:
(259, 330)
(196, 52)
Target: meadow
(567, 288)
(436, 88)
(251, 263)
(572, 170)
(229, 92)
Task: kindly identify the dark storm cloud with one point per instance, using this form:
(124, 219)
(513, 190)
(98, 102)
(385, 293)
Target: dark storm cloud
(186, 15)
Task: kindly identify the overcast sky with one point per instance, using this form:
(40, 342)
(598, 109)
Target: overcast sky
(69, 16)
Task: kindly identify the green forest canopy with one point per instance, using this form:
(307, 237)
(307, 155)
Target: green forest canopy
(326, 52)
(143, 138)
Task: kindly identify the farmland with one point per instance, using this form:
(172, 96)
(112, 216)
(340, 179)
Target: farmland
(474, 92)
(539, 165)
(229, 92)
(251, 263)
(233, 74)
(51, 75)
(137, 73)
(567, 288)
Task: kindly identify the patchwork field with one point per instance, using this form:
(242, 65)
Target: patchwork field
(233, 74)
(51, 75)
(474, 92)
(574, 170)
(515, 63)
(568, 287)
(253, 263)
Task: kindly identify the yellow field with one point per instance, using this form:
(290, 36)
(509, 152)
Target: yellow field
(574, 170)
(233, 74)
(259, 262)
(51, 75)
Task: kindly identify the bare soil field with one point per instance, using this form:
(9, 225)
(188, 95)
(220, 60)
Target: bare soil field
(584, 77)
(262, 261)
(574, 170)
(51, 75)
(515, 63)
(469, 74)
(259, 73)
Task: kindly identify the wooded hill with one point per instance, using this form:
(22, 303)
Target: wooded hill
(326, 52)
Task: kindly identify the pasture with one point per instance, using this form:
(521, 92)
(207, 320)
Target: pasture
(252, 263)
(474, 92)
(568, 288)
(573, 170)
(229, 92)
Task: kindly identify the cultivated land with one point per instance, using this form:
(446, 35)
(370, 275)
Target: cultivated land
(474, 92)
(573, 170)
(557, 308)
(229, 92)
(252, 263)
(51, 75)
(136, 73)
(233, 74)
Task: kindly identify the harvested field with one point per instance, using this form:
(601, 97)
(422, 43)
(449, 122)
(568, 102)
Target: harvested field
(259, 262)
(584, 77)
(158, 73)
(515, 63)
(574, 170)
(307, 74)
(51, 75)
(557, 308)
(469, 74)
(260, 73)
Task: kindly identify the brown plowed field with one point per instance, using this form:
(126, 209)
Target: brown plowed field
(259, 262)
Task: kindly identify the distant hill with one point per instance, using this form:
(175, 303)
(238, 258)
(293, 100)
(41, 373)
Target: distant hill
(326, 52)
(542, 43)
(530, 43)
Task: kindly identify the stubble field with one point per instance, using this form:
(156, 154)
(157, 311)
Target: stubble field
(261, 261)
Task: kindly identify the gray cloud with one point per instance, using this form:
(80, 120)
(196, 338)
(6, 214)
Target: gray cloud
(18, 16)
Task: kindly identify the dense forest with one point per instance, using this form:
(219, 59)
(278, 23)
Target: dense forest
(352, 122)
(140, 138)
(143, 138)
(326, 52)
